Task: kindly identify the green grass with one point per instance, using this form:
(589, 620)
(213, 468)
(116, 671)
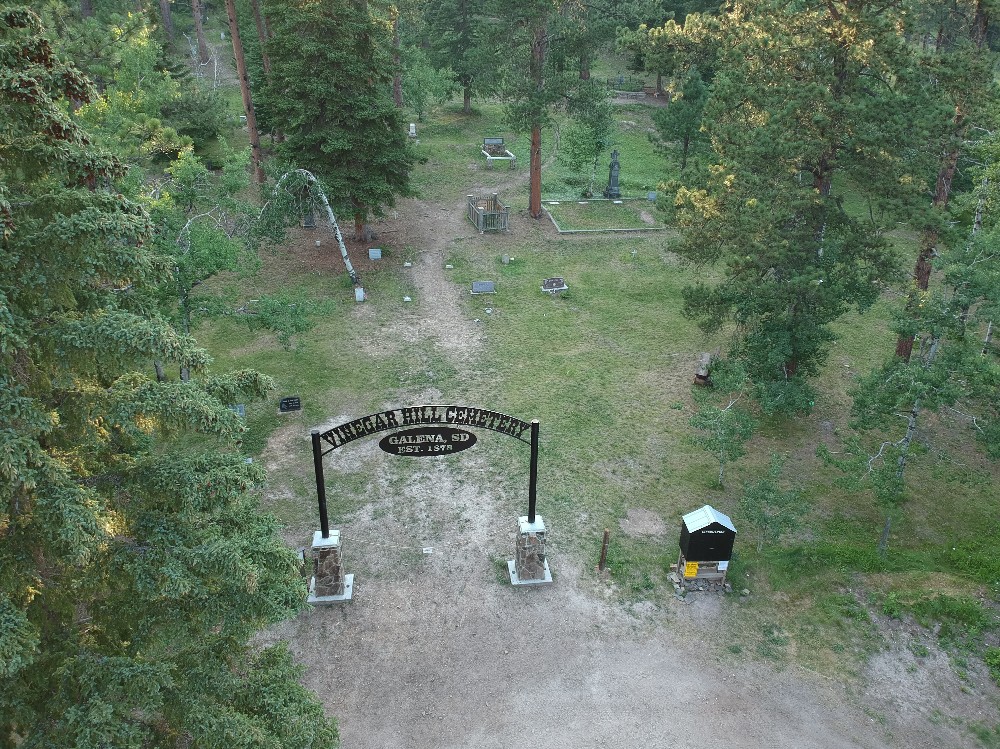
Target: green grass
(597, 215)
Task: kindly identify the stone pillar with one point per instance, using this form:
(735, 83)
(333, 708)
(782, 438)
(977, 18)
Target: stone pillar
(329, 583)
(530, 565)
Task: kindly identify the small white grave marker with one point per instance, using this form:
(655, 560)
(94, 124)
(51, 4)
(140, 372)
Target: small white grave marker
(374, 253)
(359, 294)
(407, 299)
(413, 130)
(407, 264)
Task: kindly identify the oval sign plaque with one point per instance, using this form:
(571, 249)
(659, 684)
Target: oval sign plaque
(427, 442)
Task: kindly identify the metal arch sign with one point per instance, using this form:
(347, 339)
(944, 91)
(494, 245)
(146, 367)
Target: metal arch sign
(415, 416)
(425, 431)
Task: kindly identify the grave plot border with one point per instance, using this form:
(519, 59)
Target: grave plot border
(560, 230)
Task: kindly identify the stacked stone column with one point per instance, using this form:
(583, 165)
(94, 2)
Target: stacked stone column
(329, 583)
(529, 566)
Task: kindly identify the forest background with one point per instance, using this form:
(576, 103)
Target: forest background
(828, 173)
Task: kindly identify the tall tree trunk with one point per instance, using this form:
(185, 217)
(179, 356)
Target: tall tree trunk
(168, 21)
(161, 375)
(397, 75)
(535, 166)
(929, 238)
(87, 8)
(199, 32)
(262, 35)
(584, 66)
(241, 71)
(535, 171)
(362, 229)
(980, 25)
(942, 189)
(467, 97)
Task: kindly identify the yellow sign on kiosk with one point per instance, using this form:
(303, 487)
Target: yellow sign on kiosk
(690, 569)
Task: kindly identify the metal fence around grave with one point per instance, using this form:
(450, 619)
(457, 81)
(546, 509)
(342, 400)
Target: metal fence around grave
(488, 214)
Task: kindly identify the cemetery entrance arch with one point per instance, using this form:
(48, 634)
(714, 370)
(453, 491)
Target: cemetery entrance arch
(424, 431)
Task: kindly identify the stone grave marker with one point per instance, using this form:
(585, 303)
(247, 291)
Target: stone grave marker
(483, 287)
(374, 253)
(554, 285)
(289, 404)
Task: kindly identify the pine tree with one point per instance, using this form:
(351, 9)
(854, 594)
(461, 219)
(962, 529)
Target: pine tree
(800, 96)
(452, 29)
(134, 569)
(332, 101)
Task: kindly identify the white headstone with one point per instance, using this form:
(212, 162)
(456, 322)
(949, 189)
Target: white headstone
(359, 294)
(374, 253)
(413, 130)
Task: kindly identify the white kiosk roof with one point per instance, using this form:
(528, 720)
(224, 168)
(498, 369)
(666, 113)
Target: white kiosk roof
(705, 516)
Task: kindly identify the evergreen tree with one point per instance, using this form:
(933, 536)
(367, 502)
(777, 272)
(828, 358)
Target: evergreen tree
(452, 31)
(529, 43)
(329, 94)
(134, 570)
(799, 95)
(681, 121)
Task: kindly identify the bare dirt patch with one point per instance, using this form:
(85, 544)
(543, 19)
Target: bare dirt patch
(640, 522)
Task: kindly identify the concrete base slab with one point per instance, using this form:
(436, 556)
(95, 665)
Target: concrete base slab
(320, 600)
(515, 580)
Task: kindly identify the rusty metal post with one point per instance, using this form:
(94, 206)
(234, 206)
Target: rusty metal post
(604, 551)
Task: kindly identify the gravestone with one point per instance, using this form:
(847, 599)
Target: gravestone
(413, 130)
(494, 146)
(309, 221)
(239, 409)
(554, 285)
(612, 190)
(483, 287)
(359, 294)
(290, 403)
(374, 253)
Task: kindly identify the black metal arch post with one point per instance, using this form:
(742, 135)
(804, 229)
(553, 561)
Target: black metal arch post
(324, 521)
(533, 471)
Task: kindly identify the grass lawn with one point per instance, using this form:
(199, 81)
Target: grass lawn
(598, 215)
